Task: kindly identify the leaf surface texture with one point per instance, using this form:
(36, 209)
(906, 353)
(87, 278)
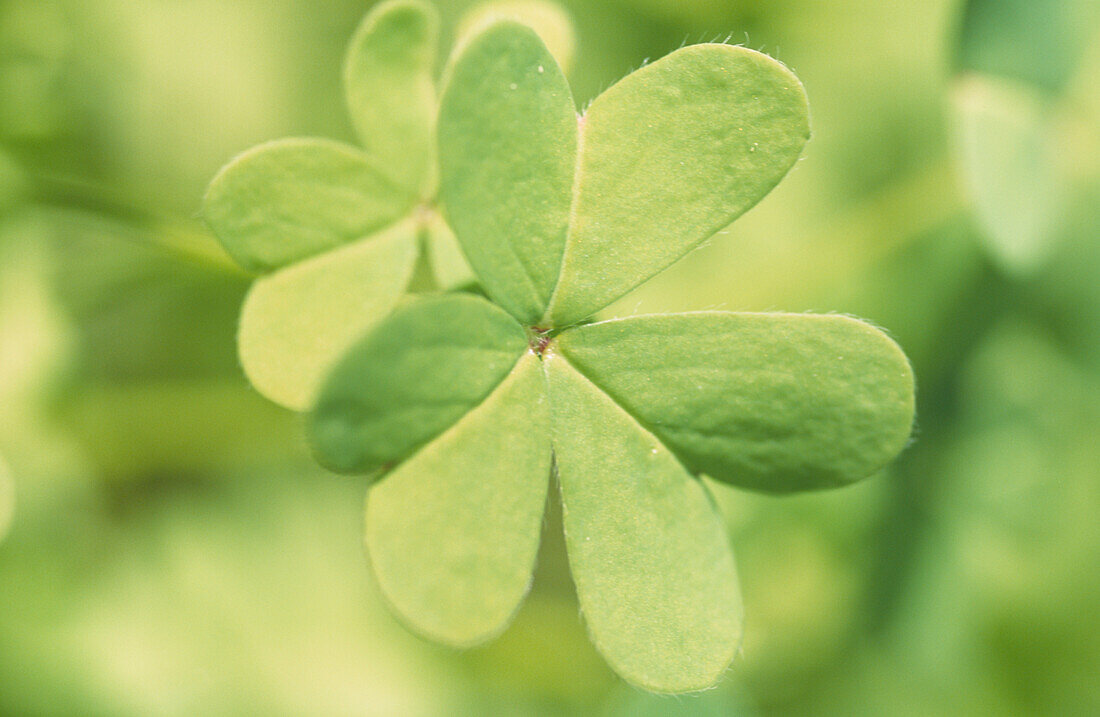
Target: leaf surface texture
(772, 402)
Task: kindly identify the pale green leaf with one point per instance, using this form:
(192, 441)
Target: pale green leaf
(453, 531)
(1066, 290)
(548, 19)
(507, 145)
(649, 554)
(391, 93)
(411, 378)
(671, 155)
(450, 270)
(37, 334)
(1007, 153)
(1037, 42)
(771, 402)
(298, 321)
(291, 199)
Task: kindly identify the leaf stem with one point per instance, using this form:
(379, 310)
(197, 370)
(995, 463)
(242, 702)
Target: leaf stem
(183, 239)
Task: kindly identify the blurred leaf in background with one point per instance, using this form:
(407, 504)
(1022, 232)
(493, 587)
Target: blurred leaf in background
(1001, 584)
(172, 552)
(34, 44)
(1019, 122)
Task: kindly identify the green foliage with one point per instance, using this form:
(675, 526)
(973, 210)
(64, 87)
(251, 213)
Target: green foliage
(508, 144)
(668, 157)
(33, 45)
(672, 154)
(11, 183)
(390, 91)
(448, 265)
(455, 404)
(548, 19)
(292, 199)
(1006, 153)
(407, 381)
(1066, 288)
(36, 334)
(1018, 505)
(728, 392)
(175, 550)
(291, 208)
(288, 209)
(452, 532)
(1018, 124)
(295, 322)
(1036, 42)
(648, 552)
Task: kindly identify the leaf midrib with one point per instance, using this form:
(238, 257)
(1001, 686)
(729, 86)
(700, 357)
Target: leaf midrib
(643, 425)
(575, 193)
(373, 235)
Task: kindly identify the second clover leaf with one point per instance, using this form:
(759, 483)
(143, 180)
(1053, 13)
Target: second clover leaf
(335, 231)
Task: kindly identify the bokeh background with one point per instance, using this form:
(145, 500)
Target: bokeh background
(169, 548)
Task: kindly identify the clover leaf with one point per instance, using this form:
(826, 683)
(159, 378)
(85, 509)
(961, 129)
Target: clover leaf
(461, 407)
(335, 231)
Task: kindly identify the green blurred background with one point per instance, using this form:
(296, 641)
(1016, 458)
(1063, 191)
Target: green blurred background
(169, 548)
